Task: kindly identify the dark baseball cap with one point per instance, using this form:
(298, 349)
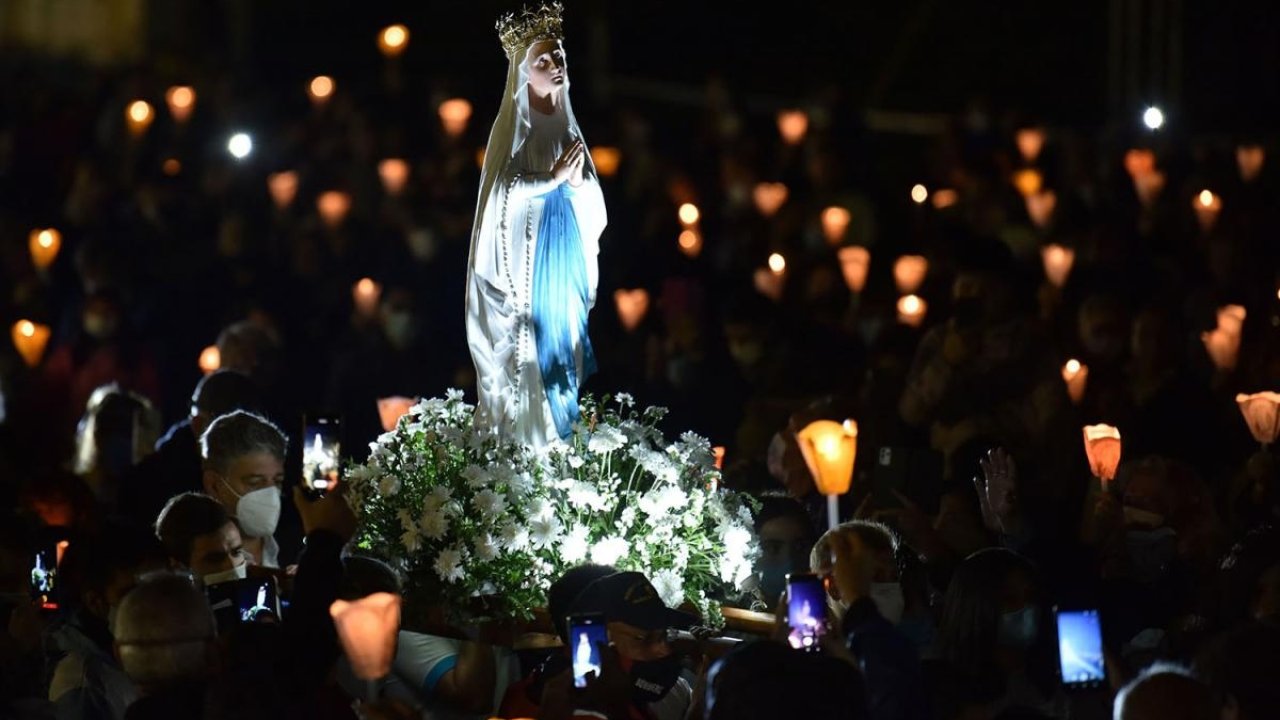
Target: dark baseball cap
(630, 598)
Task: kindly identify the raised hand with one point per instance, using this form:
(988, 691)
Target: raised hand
(998, 491)
(564, 167)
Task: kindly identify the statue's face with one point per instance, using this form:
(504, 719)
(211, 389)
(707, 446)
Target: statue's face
(547, 70)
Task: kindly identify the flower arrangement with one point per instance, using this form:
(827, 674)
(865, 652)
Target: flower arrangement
(466, 515)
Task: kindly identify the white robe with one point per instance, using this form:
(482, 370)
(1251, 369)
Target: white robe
(511, 396)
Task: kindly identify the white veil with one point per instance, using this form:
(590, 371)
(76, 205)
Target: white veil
(510, 130)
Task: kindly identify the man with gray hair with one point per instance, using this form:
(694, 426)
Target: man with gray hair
(243, 460)
(166, 642)
(1165, 691)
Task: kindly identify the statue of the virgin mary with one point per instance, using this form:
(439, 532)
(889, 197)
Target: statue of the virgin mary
(532, 275)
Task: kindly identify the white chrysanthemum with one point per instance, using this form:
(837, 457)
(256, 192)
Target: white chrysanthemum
(544, 531)
(628, 517)
(521, 484)
(585, 495)
(514, 537)
(489, 504)
(359, 474)
(573, 548)
(736, 564)
(625, 399)
(411, 540)
(476, 476)
(609, 551)
(670, 587)
(448, 565)
(453, 395)
(436, 499)
(485, 547)
(606, 439)
(680, 557)
(434, 524)
(542, 509)
(389, 485)
(574, 461)
(658, 504)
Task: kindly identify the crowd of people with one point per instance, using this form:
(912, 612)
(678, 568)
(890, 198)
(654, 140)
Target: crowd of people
(134, 480)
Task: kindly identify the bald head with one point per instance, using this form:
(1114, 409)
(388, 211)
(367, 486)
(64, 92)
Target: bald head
(1166, 692)
(165, 631)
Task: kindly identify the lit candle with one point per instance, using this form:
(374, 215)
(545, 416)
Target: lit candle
(835, 221)
(1058, 261)
(690, 243)
(210, 359)
(1040, 207)
(391, 409)
(770, 281)
(1262, 414)
(181, 100)
(718, 453)
(1030, 142)
(44, 245)
(769, 197)
(283, 187)
(854, 263)
(171, 167)
(1028, 181)
(366, 293)
(320, 89)
(909, 272)
(30, 339)
(944, 198)
(1207, 206)
(1075, 374)
(606, 160)
(911, 310)
(393, 40)
(919, 193)
(632, 306)
(1249, 160)
(333, 206)
(394, 173)
(689, 215)
(139, 116)
(792, 126)
(1102, 448)
(454, 115)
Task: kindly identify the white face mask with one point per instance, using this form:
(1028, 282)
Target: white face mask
(237, 572)
(889, 601)
(257, 511)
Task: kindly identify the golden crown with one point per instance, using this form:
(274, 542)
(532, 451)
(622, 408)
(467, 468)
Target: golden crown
(518, 31)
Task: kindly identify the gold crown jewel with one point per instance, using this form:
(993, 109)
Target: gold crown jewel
(518, 31)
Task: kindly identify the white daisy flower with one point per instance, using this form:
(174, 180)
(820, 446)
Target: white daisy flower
(544, 531)
(485, 547)
(670, 587)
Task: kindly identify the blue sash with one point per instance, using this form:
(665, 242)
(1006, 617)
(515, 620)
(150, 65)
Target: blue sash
(560, 295)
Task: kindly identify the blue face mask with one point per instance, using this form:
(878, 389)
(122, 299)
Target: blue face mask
(1018, 629)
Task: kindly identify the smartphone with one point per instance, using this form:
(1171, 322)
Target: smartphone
(806, 611)
(321, 453)
(915, 473)
(1080, 663)
(587, 633)
(44, 576)
(248, 600)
